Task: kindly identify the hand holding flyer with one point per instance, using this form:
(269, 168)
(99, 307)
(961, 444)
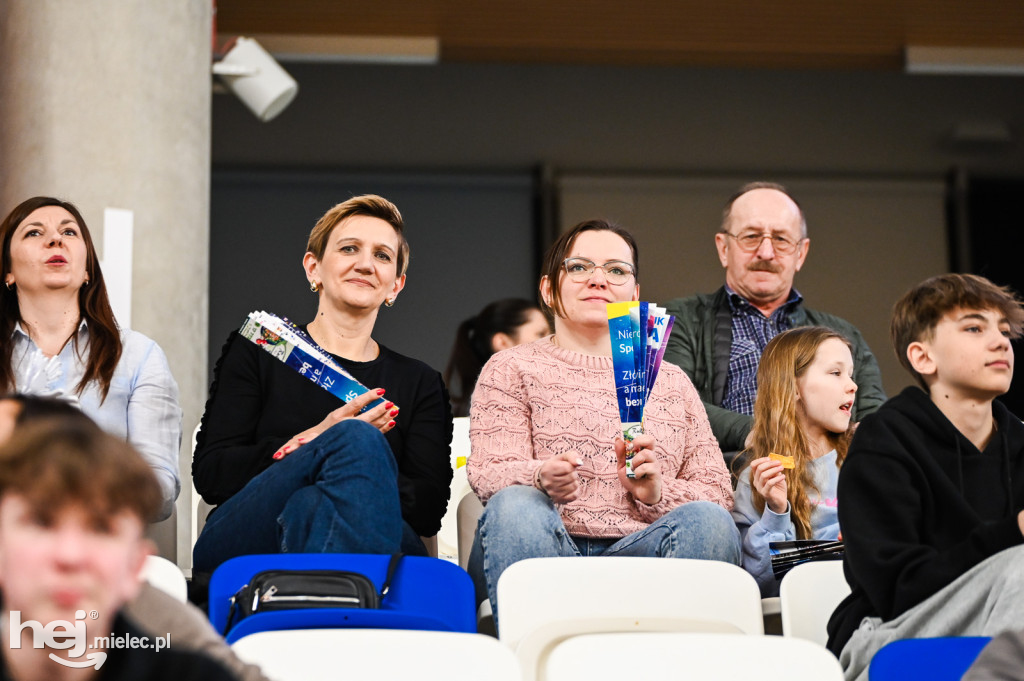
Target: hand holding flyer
(295, 348)
(638, 332)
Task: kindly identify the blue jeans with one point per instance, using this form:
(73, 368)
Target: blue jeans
(337, 494)
(521, 522)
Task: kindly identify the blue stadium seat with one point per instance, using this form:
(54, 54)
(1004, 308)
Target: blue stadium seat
(935, 659)
(426, 594)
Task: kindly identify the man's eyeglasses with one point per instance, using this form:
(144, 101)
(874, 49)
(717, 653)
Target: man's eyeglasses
(615, 271)
(749, 242)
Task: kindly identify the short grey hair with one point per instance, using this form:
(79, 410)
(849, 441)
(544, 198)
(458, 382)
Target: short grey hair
(751, 186)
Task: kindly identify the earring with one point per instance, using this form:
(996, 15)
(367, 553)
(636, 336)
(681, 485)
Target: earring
(85, 283)
(390, 302)
(9, 287)
(314, 287)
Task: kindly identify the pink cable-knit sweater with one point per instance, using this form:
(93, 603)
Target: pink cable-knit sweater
(538, 400)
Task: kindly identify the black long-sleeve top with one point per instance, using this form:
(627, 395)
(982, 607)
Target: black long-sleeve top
(257, 404)
(919, 506)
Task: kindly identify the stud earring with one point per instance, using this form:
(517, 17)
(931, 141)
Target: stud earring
(314, 287)
(390, 302)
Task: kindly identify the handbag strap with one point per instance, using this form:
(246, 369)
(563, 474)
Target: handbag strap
(231, 617)
(392, 566)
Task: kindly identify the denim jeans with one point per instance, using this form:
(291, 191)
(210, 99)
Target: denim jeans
(521, 522)
(337, 494)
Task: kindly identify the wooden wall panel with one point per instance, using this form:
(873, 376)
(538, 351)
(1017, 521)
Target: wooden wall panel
(736, 33)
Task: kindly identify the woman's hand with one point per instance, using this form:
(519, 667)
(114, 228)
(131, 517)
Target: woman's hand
(381, 417)
(646, 486)
(769, 478)
(557, 477)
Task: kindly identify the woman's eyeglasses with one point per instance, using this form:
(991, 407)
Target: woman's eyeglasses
(615, 271)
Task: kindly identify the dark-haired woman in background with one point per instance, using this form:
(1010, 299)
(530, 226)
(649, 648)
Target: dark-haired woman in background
(503, 324)
(58, 337)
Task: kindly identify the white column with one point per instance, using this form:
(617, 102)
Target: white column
(106, 103)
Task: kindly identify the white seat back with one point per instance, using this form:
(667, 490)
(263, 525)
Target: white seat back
(200, 509)
(542, 601)
(715, 657)
(166, 576)
(379, 654)
(808, 594)
(468, 515)
(448, 538)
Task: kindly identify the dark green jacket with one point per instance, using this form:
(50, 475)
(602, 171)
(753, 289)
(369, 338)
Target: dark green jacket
(704, 356)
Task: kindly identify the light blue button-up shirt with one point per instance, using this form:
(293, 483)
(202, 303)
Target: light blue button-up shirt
(141, 407)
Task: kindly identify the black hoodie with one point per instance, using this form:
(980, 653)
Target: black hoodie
(919, 506)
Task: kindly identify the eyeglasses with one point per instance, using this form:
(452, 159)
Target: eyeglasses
(615, 271)
(750, 242)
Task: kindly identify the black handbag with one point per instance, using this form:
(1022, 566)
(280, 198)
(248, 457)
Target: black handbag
(274, 590)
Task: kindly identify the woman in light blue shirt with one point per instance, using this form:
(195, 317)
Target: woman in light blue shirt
(58, 337)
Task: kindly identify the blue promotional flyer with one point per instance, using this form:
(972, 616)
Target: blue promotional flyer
(292, 346)
(639, 332)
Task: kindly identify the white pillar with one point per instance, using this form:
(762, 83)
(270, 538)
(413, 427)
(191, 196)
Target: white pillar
(106, 103)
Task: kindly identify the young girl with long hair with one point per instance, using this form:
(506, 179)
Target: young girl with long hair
(805, 394)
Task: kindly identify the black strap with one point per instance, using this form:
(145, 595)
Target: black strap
(231, 615)
(392, 566)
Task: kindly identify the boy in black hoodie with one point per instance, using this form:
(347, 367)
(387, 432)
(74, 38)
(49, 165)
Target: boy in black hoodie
(932, 490)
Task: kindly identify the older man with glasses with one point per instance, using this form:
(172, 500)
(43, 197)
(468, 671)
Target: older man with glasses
(718, 338)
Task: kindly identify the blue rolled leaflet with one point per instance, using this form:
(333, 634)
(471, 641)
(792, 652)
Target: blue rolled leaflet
(296, 349)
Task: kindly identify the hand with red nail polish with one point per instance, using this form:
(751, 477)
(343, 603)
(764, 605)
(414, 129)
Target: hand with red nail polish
(378, 416)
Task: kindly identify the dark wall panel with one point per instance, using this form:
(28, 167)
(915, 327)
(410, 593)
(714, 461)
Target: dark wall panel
(471, 238)
(996, 236)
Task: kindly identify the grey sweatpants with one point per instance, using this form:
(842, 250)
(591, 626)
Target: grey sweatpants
(1001, 660)
(985, 601)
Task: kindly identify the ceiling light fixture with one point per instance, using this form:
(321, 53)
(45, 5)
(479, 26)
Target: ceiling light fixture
(256, 78)
(973, 61)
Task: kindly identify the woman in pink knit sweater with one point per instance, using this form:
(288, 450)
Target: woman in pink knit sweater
(547, 457)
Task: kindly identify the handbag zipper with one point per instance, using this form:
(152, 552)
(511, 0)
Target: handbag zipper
(270, 597)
